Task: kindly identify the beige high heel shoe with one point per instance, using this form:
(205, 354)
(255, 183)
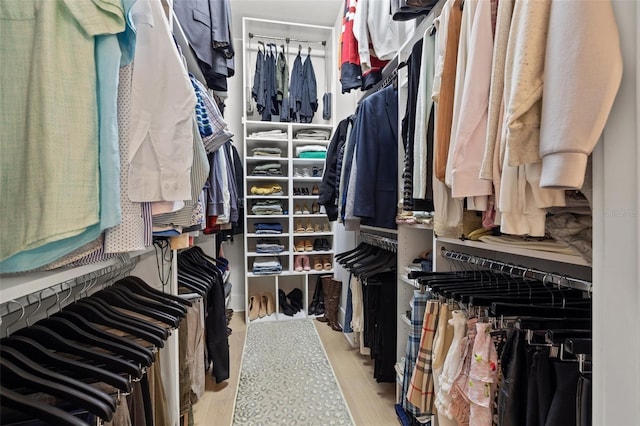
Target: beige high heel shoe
(254, 308)
(268, 302)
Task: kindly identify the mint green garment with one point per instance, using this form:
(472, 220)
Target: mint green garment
(313, 154)
(54, 147)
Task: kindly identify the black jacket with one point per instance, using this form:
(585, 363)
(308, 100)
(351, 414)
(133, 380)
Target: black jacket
(328, 188)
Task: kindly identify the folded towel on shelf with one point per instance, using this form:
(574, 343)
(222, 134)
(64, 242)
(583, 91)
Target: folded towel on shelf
(314, 154)
(269, 134)
(267, 151)
(310, 148)
(318, 134)
(267, 169)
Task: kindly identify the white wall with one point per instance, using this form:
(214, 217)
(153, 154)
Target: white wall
(616, 224)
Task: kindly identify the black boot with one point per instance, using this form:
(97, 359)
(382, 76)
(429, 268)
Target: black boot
(314, 306)
(295, 299)
(285, 307)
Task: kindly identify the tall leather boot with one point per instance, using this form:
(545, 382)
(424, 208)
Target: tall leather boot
(326, 291)
(332, 304)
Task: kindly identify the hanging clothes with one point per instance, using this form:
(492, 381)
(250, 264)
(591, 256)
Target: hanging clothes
(258, 90)
(309, 98)
(350, 70)
(61, 161)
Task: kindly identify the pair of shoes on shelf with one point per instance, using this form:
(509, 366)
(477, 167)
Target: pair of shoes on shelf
(261, 305)
(301, 263)
(321, 244)
(302, 210)
(301, 191)
(304, 245)
(290, 303)
(321, 263)
(301, 228)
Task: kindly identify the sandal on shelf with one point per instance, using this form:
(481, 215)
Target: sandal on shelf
(308, 246)
(317, 228)
(317, 264)
(300, 245)
(300, 227)
(309, 227)
(297, 210)
(326, 264)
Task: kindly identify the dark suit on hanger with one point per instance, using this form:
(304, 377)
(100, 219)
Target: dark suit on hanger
(376, 133)
(328, 188)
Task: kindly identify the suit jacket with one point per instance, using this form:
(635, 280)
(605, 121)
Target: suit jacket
(328, 194)
(376, 133)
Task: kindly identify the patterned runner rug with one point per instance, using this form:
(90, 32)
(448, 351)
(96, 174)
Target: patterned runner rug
(286, 378)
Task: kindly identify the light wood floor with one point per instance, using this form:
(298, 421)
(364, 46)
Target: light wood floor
(371, 403)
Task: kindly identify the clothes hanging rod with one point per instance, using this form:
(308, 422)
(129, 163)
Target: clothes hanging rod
(124, 264)
(287, 39)
(379, 241)
(521, 271)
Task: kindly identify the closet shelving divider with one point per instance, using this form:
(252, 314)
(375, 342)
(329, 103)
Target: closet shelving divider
(292, 36)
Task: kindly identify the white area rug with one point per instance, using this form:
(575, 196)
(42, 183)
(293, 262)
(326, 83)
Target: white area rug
(286, 378)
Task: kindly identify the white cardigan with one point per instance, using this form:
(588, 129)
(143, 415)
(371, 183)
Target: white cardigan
(582, 74)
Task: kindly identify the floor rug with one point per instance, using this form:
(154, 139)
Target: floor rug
(286, 378)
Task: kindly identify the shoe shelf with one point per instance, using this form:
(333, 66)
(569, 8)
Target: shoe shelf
(299, 182)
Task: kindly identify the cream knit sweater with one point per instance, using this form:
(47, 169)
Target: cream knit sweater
(582, 74)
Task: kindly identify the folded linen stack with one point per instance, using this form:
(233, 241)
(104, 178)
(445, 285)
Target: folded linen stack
(267, 151)
(269, 134)
(267, 189)
(262, 207)
(317, 134)
(268, 228)
(311, 151)
(267, 169)
(267, 265)
(269, 245)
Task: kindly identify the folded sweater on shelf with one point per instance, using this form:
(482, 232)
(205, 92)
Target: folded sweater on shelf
(267, 151)
(267, 189)
(310, 148)
(269, 134)
(268, 228)
(319, 134)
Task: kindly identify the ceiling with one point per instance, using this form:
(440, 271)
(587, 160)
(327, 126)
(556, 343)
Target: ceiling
(313, 12)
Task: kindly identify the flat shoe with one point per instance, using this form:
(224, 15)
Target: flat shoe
(308, 246)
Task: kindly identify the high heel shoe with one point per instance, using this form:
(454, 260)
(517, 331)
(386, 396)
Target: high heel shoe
(269, 303)
(305, 209)
(254, 308)
(297, 209)
(315, 208)
(315, 190)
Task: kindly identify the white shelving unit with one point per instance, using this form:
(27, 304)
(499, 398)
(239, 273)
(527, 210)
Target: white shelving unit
(292, 168)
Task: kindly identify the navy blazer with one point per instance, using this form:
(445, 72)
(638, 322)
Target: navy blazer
(376, 133)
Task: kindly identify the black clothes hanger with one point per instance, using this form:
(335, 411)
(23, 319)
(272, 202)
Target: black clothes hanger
(17, 358)
(114, 298)
(349, 252)
(171, 309)
(37, 410)
(71, 367)
(99, 312)
(69, 330)
(88, 327)
(53, 340)
(512, 309)
(13, 377)
(139, 285)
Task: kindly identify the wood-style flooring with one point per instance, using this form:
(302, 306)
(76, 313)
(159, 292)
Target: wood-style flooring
(371, 403)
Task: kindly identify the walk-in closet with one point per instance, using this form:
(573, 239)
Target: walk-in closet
(319, 212)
